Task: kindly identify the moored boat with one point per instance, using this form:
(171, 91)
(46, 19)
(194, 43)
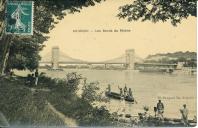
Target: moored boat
(58, 69)
(118, 96)
(153, 70)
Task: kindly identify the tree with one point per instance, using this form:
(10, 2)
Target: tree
(90, 92)
(159, 10)
(25, 49)
(24, 52)
(4, 48)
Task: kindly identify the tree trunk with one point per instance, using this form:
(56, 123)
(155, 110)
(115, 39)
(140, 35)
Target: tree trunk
(5, 40)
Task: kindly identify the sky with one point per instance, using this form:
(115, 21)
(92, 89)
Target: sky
(145, 37)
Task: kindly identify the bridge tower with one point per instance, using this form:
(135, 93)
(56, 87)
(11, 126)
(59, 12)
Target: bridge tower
(55, 57)
(130, 58)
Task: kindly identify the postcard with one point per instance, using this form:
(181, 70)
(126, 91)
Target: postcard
(98, 63)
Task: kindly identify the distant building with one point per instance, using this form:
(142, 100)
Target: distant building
(180, 65)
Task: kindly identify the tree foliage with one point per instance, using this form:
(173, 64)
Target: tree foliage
(47, 10)
(159, 10)
(24, 49)
(65, 99)
(90, 92)
(24, 52)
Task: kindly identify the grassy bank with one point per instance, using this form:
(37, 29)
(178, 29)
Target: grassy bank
(22, 106)
(25, 104)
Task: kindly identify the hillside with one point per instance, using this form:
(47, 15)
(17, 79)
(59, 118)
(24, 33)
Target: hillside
(52, 103)
(20, 105)
(188, 57)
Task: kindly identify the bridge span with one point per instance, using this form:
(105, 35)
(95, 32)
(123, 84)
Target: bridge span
(129, 60)
(56, 58)
(88, 63)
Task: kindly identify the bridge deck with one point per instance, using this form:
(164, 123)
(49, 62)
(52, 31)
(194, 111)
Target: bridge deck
(155, 64)
(83, 62)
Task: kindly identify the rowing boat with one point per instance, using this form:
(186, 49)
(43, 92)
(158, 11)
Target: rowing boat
(115, 95)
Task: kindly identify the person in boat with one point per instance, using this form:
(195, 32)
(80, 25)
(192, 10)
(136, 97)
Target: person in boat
(130, 93)
(155, 110)
(125, 91)
(184, 113)
(109, 88)
(121, 91)
(160, 109)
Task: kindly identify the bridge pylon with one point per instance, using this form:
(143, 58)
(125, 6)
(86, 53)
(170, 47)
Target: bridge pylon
(130, 59)
(55, 57)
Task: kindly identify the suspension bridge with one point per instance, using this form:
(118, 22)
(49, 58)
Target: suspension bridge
(56, 58)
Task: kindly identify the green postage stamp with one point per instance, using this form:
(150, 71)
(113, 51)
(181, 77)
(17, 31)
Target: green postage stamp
(19, 18)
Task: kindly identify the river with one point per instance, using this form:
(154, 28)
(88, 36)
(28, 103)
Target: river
(174, 90)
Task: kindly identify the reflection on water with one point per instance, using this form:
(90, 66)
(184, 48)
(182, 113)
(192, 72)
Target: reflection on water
(148, 88)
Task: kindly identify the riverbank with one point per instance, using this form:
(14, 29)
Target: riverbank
(173, 89)
(46, 104)
(54, 102)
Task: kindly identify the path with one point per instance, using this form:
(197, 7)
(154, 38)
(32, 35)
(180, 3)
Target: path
(68, 121)
(43, 90)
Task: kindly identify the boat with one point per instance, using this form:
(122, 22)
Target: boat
(156, 70)
(117, 96)
(58, 69)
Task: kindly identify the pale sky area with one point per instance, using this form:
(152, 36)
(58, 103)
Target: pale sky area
(145, 37)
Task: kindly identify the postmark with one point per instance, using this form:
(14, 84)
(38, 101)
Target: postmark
(19, 17)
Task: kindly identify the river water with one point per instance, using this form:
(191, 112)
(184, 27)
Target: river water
(174, 90)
